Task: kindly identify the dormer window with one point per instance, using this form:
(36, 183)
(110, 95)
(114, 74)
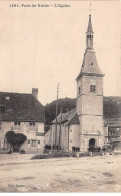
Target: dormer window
(92, 88)
(2, 108)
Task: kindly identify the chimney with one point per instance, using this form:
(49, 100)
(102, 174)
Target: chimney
(35, 92)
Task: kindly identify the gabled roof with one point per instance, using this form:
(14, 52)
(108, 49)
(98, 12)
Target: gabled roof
(64, 116)
(74, 120)
(21, 107)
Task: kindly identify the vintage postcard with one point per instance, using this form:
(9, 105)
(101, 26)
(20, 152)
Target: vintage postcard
(60, 96)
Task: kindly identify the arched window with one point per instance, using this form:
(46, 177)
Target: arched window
(79, 90)
(92, 88)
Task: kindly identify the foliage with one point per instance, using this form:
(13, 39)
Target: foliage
(15, 139)
(112, 107)
(47, 128)
(63, 104)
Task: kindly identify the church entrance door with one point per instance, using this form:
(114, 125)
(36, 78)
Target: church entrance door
(92, 143)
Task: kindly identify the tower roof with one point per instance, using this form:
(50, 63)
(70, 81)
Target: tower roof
(90, 65)
(89, 29)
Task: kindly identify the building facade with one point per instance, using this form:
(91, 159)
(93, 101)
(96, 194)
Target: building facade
(90, 96)
(91, 122)
(22, 113)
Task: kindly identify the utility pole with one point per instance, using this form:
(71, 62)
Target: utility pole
(56, 116)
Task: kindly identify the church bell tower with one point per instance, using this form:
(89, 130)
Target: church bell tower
(90, 97)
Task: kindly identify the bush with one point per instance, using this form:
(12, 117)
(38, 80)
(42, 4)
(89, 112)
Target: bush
(15, 139)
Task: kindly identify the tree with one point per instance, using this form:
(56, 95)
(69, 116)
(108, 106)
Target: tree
(15, 139)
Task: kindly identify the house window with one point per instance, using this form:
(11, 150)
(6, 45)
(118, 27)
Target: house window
(70, 141)
(32, 126)
(17, 125)
(33, 143)
(92, 88)
(38, 141)
(2, 108)
(91, 64)
(28, 141)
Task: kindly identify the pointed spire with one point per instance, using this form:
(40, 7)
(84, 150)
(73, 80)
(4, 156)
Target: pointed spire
(90, 65)
(89, 35)
(89, 29)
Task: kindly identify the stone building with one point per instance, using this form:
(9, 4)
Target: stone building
(22, 113)
(89, 124)
(90, 96)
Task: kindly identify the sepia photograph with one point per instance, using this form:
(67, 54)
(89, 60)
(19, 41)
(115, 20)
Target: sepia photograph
(60, 96)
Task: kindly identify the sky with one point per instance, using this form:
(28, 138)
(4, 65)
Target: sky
(43, 46)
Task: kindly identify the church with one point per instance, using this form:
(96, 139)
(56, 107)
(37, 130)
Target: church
(93, 120)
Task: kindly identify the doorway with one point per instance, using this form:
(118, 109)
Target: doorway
(92, 143)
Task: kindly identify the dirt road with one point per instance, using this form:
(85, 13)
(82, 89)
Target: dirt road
(88, 174)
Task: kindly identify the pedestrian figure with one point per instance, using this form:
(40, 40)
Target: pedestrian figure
(103, 151)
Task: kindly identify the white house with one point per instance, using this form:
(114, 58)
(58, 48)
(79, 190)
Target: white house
(22, 113)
